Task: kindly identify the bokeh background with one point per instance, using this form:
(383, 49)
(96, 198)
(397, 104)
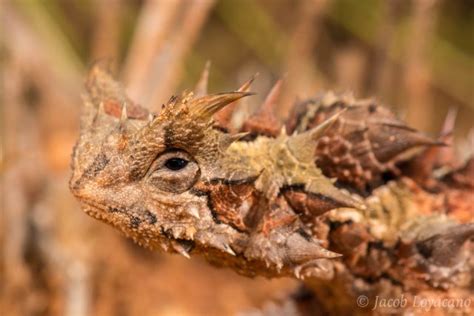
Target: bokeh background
(416, 56)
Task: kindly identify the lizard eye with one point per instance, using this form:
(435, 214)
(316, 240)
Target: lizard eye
(176, 163)
(173, 171)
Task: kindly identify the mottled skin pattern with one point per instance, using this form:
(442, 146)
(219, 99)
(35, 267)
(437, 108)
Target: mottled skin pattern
(262, 202)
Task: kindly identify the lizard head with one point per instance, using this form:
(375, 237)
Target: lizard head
(138, 171)
(174, 181)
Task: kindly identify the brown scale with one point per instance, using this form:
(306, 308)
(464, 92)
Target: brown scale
(231, 203)
(309, 204)
(366, 140)
(278, 215)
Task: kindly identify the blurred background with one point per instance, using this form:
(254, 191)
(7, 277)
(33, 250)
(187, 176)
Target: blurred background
(415, 56)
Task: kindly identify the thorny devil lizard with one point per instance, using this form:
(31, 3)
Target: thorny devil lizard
(343, 195)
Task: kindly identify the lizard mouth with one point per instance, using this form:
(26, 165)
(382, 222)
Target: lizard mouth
(93, 209)
(105, 213)
(126, 225)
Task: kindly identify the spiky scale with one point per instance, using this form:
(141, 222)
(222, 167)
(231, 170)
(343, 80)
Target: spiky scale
(223, 118)
(201, 87)
(181, 249)
(124, 115)
(366, 141)
(264, 121)
(443, 249)
(422, 167)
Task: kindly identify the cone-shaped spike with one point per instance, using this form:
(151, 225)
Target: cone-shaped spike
(229, 250)
(99, 114)
(228, 139)
(245, 87)
(123, 114)
(401, 138)
(300, 250)
(264, 121)
(201, 87)
(193, 211)
(180, 248)
(272, 98)
(122, 125)
(318, 131)
(205, 107)
(434, 157)
(224, 118)
(449, 122)
(443, 248)
(303, 144)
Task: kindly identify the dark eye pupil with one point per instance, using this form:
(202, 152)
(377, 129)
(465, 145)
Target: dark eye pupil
(176, 163)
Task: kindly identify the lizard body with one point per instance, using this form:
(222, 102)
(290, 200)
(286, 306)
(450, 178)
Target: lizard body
(308, 201)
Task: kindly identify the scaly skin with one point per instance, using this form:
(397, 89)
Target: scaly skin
(261, 202)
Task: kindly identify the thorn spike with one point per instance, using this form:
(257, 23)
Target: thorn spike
(449, 123)
(201, 87)
(304, 143)
(272, 98)
(224, 117)
(264, 120)
(229, 250)
(100, 112)
(228, 139)
(193, 211)
(443, 248)
(180, 249)
(319, 130)
(123, 115)
(225, 248)
(206, 107)
(245, 87)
